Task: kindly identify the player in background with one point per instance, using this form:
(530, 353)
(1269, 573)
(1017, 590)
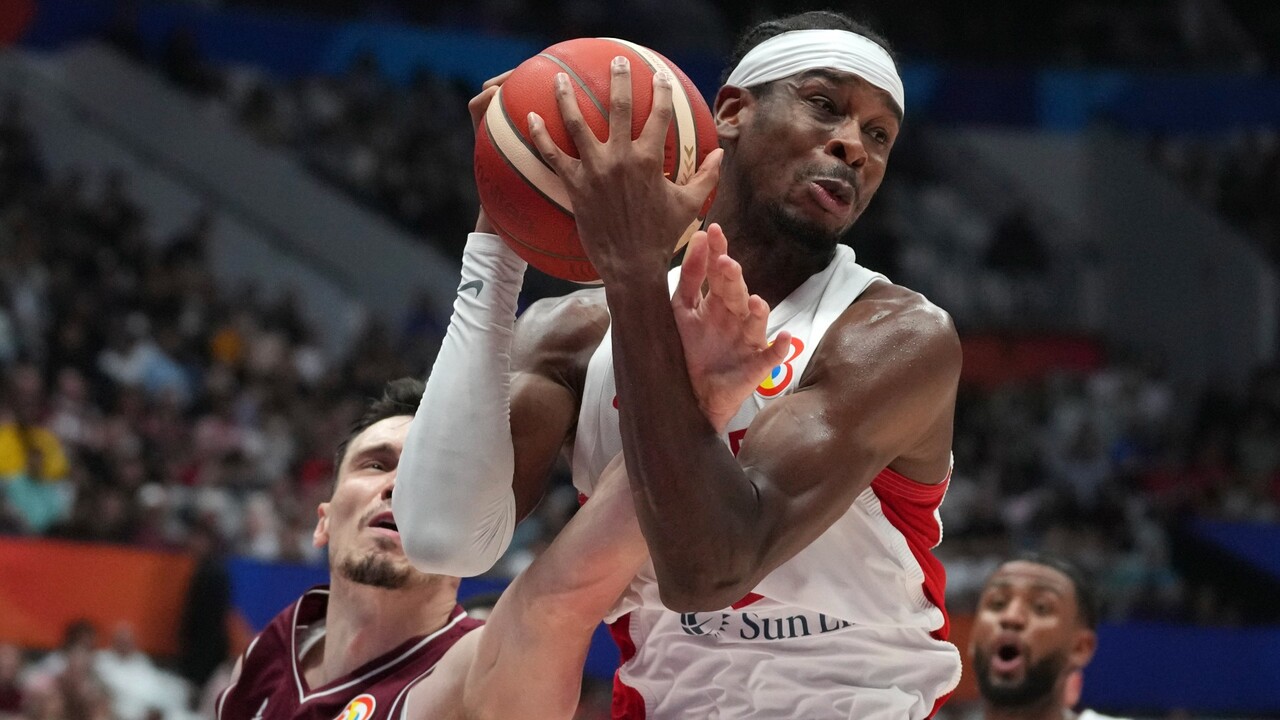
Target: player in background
(1033, 634)
(792, 572)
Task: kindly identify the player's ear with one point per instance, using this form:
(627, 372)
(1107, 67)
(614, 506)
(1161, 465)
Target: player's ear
(730, 102)
(320, 537)
(1082, 649)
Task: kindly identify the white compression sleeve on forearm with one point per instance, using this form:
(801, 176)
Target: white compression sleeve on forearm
(453, 502)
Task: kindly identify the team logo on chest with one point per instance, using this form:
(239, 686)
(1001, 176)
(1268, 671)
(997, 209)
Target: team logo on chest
(361, 708)
(781, 376)
(706, 624)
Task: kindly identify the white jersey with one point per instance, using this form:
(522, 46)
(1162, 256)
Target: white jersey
(851, 627)
(1091, 715)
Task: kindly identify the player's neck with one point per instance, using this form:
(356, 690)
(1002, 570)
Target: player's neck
(769, 273)
(772, 266)
(364, 622)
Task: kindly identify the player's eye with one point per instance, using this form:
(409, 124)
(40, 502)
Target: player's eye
(823, 103)
(880, 136)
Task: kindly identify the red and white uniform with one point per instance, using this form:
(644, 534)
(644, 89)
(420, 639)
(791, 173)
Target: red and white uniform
(272, 686)
(853, 626)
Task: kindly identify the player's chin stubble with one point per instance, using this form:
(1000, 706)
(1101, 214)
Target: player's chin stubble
(1037, 684)
(374, 570)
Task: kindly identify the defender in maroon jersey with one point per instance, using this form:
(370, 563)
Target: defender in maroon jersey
(386, 641)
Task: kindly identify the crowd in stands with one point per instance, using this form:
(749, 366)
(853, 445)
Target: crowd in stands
(1202, 34)
(145, 403)
(1238, 178)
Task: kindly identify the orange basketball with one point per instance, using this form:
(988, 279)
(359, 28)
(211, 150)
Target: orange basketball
(522, 195)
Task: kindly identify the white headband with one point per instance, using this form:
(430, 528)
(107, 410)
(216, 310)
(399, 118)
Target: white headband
(794, 52)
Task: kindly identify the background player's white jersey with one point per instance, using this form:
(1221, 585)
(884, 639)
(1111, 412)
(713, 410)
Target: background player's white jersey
(1091, 715)
(851, 627)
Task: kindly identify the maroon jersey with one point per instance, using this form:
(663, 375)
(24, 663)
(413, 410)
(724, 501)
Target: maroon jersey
(272, 686)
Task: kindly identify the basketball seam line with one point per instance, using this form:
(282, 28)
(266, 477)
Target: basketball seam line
(498, 149)
(528, 143)
(570, 72)
(676, 86)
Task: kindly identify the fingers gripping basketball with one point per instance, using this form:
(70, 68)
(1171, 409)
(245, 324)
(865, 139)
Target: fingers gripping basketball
(521, 194)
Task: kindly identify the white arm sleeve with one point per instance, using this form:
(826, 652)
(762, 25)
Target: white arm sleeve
(453, 502)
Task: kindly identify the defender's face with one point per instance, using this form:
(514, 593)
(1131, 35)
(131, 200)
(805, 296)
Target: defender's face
(813, 148)
(1027, 631)
(357, 523)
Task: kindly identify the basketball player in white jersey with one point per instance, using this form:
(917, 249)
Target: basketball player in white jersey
(791, 527)
(1033, 635)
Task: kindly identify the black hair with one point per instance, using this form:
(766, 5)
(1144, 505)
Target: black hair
(1086, 598)
(399, 397)
(811, 20)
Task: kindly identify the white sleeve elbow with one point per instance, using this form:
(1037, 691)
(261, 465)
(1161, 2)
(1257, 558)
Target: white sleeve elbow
(453, 500)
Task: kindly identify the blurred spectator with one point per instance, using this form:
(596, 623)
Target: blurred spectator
(184, 63)
(80, 636)
(203, 636)
(1239, 178)
(138, 689)
(27, 447)
(1016, 248)
(12, 694)
(83, 693)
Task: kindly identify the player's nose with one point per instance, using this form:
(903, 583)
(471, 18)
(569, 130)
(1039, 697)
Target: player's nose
(1014, 614)
(846, 145)
(389, 486)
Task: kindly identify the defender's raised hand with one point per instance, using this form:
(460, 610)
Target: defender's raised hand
(629, 215)
(726, 349)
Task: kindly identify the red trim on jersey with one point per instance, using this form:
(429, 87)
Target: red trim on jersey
(940, 702)
(911, 507)
(746, 600)
(627, 701)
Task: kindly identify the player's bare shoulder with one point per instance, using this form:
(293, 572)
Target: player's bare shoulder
(555, 337)
(888, 370)
(893, 324)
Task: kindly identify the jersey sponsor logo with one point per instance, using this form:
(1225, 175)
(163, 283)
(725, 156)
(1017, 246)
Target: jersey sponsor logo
(703, 623)
(360, 708)
(751, 626)
(781, 376)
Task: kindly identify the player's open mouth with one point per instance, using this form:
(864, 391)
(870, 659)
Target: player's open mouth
(384, 521)
(1007, 658)
(834, 196)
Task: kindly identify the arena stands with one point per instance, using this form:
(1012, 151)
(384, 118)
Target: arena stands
(147, 404)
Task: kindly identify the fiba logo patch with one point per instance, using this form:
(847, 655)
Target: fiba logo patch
(781, 376)
(361, 708)
(707, 624)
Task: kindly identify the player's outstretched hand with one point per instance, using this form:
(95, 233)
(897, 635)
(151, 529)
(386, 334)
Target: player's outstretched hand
(726, 349)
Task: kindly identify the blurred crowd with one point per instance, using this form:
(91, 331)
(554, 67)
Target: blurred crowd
(143, 403)
(1216, 34)
(1238, 178)
(82, 680)
(1102, 468)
